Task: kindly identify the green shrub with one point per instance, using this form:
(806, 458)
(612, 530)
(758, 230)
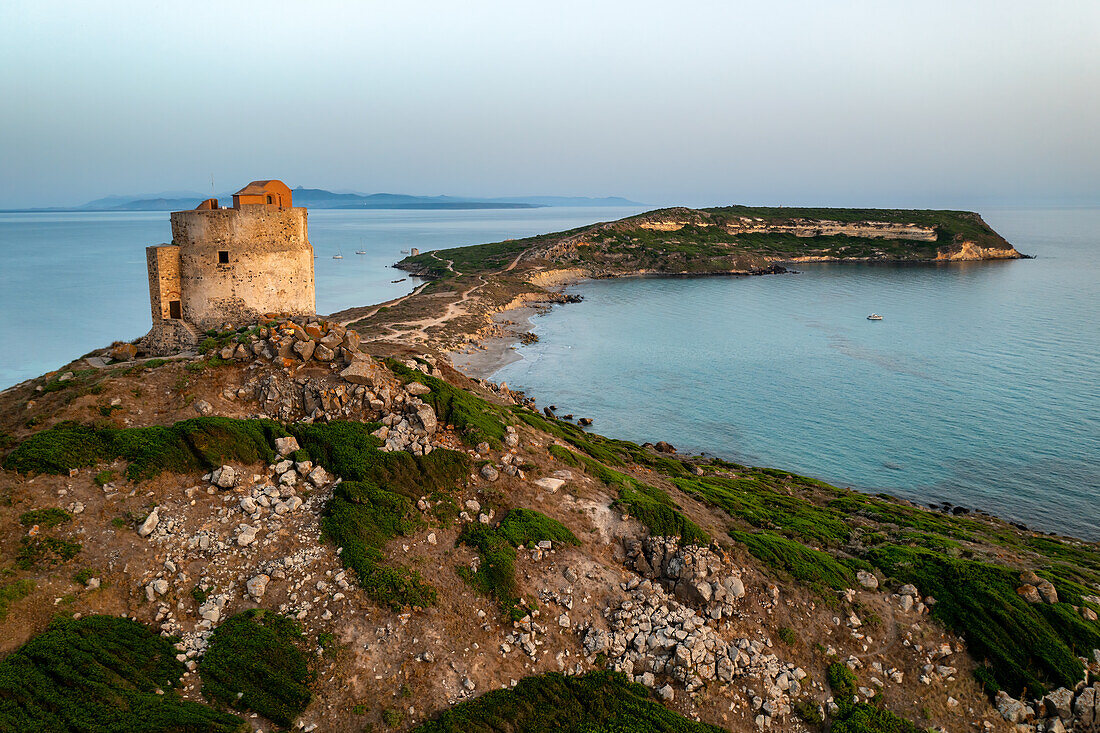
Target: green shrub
(101, 673)
(392, 717)
(105, 477)
(818, 569)
(83, 575)
(361, 518)
(809, 711)
(598, 702)
(1026, 645)
(41, 552)
(842, 681)
(256, 653)
(198, 444)
(786, 635)
(14, 591)
(865, 718)
(44, 517)
(496, 546)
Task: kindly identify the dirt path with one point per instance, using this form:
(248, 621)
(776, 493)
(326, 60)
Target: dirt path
(454, 309)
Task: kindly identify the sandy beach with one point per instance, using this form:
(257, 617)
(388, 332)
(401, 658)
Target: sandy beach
(489, 355)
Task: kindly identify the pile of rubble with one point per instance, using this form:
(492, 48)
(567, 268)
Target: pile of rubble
(695, 575)
(234, 539)
(651, 636)
(293, 342)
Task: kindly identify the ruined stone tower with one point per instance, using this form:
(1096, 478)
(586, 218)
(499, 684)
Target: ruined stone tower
(230, 265)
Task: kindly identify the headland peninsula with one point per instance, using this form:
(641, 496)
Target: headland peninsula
(319, 523)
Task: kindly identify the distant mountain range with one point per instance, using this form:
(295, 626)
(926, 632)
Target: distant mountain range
(317, 198)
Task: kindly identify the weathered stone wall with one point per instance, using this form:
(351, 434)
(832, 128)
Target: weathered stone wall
(163, 262)
(269, 268)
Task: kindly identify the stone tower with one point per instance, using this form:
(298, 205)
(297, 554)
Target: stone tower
(230, 265)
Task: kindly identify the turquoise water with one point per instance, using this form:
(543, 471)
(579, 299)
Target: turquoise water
(74, 282)
(981, 387)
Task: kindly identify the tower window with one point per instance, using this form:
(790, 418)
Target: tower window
(223, 257)
(269, 200)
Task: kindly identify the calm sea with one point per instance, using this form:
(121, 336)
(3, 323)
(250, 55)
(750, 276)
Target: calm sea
(981, 386)
(74, 282)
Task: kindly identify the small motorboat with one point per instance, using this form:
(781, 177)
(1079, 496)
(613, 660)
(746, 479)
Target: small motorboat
(874, 317)
(404, 251)
(360, 252)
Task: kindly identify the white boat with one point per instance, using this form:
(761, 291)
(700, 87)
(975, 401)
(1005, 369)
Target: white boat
(338, 255)
(360, 252)
(874, 317)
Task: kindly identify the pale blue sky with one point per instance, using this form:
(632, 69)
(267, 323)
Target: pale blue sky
(880, 103)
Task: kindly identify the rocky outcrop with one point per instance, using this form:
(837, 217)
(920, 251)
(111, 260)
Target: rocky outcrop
(969, 251)
(825, 228)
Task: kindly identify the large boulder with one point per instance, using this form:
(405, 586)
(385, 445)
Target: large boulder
(305, 349)
(1087, 707)
(224, 477)
(149, 524)
(351, 341)
(1059, 702)
(363, 371)
(286, 446)
(1010, 708)
(867, 579)
(426, 415)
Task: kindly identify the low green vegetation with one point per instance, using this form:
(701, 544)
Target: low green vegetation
(1026, 645)
(475, 419)
(348, 450)
(853, 717)
(374, 503)
(40, 551)
(201, 443)
(361, 518)
(10, 592)
(818, 569)
(44, 517)
(757, 498)
(83, 575)
(254, 663)
(496, 547)
(101, 673)
(598, 702)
